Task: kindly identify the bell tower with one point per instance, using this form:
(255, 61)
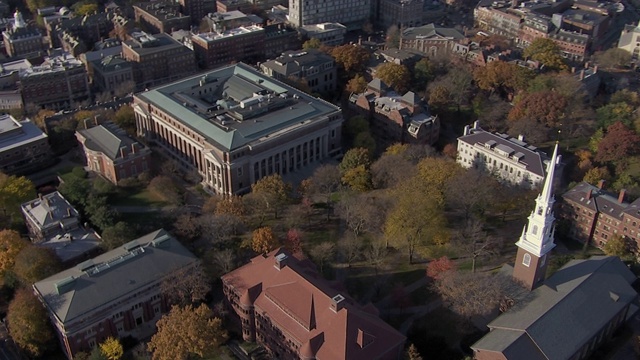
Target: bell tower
(537, 236)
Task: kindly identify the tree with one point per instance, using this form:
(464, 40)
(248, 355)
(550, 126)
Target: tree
(545, 108)
(29, 324)
(353, 158)
(376, 254)
(470, 192)
(423, 72)
(546, 52)
(350, 248)
(502, 77)
(313, 43)
(186, 331)
(352, 58)
(471, 294)
(263, 240)
(358, 178)
(223, 260)
(100, 213)
(613, 58)
(611, 113)
(293, 242)
(76, 190)
(596, 174)
(86, 8)
(355, 125)
(14, 191)
(365, 140)
(231, 205)
(323, 253)
(112, 349)
(390, 169)
(35, 263)
(395, 75)
(438, 267)
(218, 229)
(392, 40)
(186, 286)
(439, 98)
(619, 142)
(473, 241)
(357, 84)
(360, 212)
(413, 353)
(126, 119)
(117, 235)
(619, 246)
(324, 182)
(163, 187)
(273, 192)
(187, 227)
(11, 244)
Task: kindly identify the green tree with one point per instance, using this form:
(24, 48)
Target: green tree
(187, 331)
(611, 113)
(546, 52)
(100, 213)
(354, 158)
(617, 246)
(126, 119)
(613, 58)
(355, 125)
(35, 263)
(117, 235)
(263, 240)
(313, 43)
(14, 191)
(29, 324)
(352, 58)
(358, 178)
(395, 75)
(112, 349)
(423, 72)
(76, 190)
(273, 192)
(365, 140)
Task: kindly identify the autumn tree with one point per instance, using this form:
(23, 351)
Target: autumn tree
(29, 324)
(112, 349)
(413, 353)
(438, 267)
(618, 246)
(352, 58)
(357, 84)
(502, 77)
(293, 241)
(391, 169)
(596, 174)
(350, 248)
(186, 286)
(313, 43)
(611, 113)
(14, 191)
(439, 97)
(35, 263)
(273, 192)
(395, 75)
(546, 52)
(187, 227)
(353, 158)
(263, 240)
(11, 244)
(619, 142)
(187, 331)
(613, 58)
(545, 108)
(459, 83)
(355, 169)
(125, 119)
(323, 253)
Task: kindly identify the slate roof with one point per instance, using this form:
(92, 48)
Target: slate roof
(532, 157)
(74, 293)
(107, 138)
(49, 210)
(299, 301)
(555, 320)
(431, 31)
(291, 62)
(235, 83)
(15, 133)
(600, 200)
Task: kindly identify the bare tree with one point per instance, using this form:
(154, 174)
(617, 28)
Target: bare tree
(359, 211)
(350, 248)
(376, 254)
(324, 182)
(390, 169)
(224, 260)
(218, 229)
(323, 253)
(470, 192)
(474, 241)
(186, 286)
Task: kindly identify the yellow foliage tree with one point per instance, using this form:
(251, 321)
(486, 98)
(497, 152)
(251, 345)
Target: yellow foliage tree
(112, 349)
(273, 192)
(263, 240)
(10, 246)
(14, 191)
(186, 331)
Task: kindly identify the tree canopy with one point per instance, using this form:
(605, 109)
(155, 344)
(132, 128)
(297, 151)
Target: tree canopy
(11, 244)
(112, 349)
(35, 263)
(263, 240)
(14, 191)
(29, 324)
(546, 52)
(352, 58)
(186, 331)
(395, 75)
(619, 142)
(273, 192)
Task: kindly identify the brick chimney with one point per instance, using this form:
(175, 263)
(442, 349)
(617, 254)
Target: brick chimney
(337, 302)
(281, 261)
(601, 184)
(134, 147)
(621, 196)
(589, 193)
(581, 74)
(123, 152)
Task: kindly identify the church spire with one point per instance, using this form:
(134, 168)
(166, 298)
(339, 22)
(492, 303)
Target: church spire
(538, 234)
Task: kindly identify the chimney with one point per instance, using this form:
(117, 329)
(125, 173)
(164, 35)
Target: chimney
(581, 74)
(122, 152)
(337, 303)
(476, 124)
(521, 137)
(595, 69)
(601, 184)
(68, 212)
(466, 130)
(621, 196)
(95, 120)
(589, 194)
(134, 146)
(281, 261)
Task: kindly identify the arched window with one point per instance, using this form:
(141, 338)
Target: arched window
(535, 229)
(526, 260)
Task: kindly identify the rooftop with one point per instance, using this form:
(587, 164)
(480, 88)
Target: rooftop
(236, 105)
(108, 139)
(161, 10)
(219, 35)
(77, 291)
(143, 43)
(291, 62)
(14, 133)
(431, 31)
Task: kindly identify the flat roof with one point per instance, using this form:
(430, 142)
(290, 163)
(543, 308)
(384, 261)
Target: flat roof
(14, 134)
(239, 105)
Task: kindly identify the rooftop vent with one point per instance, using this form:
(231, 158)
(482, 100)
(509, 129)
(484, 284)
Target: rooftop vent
(281, 261)
(131, 245)
(337, 302)
(64, 285)
(161, 242)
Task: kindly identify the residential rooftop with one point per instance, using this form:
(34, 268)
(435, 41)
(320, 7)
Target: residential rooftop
(14, 133)
(143, 43)
(236, 105)
(219, 35)
(108, 139)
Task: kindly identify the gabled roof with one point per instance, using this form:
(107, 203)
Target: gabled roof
(560, 316)
(431, 31)
(72, 294)
(377, 85)
(49, 210)
(299, 301)
(107, 138)
(600, 200)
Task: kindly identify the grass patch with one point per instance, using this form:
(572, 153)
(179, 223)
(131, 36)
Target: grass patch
(406, 277)
(136, 197)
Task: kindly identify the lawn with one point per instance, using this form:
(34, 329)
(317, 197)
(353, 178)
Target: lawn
(136, 197)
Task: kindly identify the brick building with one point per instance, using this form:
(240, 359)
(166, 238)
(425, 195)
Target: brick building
(21, 38)
(285, 306)
(80, 31)
(278, 39)
(330, 34)
(396, 118)
(400, 13)
(350, 13)
(116, 294)
(111, 72)
(111, 153)
(312, 67)
(157, 59)
(235, 125)
(161, 17)
(213, 49)
(430, 39)
(24, 147)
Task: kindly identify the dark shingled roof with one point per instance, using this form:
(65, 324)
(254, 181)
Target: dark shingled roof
(560, 316)
(600, 200)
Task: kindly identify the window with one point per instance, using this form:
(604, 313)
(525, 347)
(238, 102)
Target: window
(535, 229)
(526, 260)
(239, 171)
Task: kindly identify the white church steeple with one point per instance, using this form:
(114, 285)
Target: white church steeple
(538, 234)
